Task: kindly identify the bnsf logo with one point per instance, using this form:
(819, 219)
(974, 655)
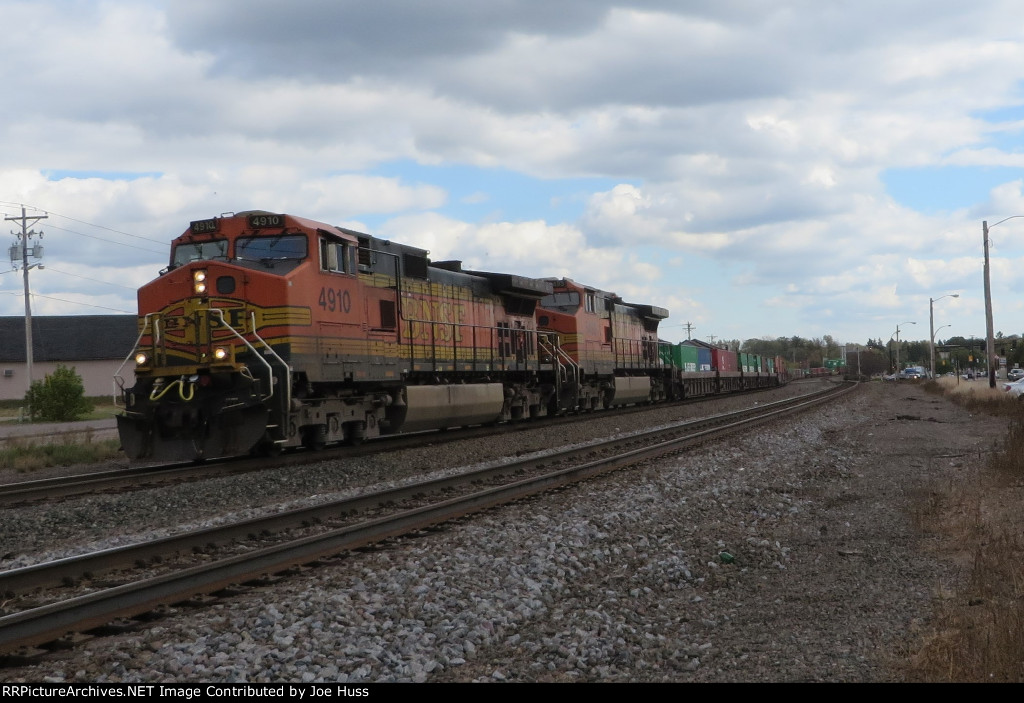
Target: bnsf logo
(181, 322)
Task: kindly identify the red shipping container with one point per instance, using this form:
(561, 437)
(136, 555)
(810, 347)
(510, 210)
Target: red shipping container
(724, 360)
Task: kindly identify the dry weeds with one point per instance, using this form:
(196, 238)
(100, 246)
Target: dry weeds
(978, 631)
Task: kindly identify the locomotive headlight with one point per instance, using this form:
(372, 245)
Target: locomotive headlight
(199, 282)
(221, 353)
(141, 358)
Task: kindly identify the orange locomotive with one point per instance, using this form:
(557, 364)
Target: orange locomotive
(270, 331)
(609, 347)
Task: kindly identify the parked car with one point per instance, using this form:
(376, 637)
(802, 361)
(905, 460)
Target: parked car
(1015, 374)
(1016, 388)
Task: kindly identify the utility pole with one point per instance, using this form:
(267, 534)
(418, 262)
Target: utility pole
(21, 251)
(689, 330)
(990, 339)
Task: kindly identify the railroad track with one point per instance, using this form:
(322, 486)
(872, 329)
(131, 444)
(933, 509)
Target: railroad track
(141, 477)
(327, 530)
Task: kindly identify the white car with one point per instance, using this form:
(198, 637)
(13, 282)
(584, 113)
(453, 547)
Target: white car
(1015, 374)
(1016, 388)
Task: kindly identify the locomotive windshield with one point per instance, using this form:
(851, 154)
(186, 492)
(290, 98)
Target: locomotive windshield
(271, 252)
(567, 303)
(200, 251)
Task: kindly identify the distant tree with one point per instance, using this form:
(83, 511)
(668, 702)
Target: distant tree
(832, 348)
(1011, 348)
(916, 353)
(59, 397)
(761, 347)
(869, 361)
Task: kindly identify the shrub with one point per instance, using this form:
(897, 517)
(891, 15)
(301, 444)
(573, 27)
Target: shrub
(60, 397)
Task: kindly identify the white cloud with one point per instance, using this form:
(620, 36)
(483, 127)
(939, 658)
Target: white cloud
(739, 149)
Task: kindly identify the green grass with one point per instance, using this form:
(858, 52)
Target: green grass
(103, 407)
(25, 455)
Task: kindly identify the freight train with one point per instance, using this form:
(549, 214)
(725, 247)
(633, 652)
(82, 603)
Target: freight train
(269, 331)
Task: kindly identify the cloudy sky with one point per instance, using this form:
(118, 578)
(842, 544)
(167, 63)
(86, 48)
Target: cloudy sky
(761, 169)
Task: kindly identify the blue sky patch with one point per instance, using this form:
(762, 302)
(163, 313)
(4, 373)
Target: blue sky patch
(477, 194)
(1008, 113)
(61, 174)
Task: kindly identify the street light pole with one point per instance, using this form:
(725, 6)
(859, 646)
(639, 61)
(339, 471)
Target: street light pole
(898, 343)
(933, 346)
(931, 324)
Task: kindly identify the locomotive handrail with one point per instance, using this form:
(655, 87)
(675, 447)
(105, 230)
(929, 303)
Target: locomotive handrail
(287, 368)
(270, 370)
(434, 345)
(550, 344)
(118, 379)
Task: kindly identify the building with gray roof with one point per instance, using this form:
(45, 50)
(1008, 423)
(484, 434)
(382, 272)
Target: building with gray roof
(95, 345)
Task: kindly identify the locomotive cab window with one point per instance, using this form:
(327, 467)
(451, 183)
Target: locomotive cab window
(566, 303)
(280, 253)
(200, 251)
(335, 257)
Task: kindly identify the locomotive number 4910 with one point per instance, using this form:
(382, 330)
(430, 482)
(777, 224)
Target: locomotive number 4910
(260, 221)
(333, 300)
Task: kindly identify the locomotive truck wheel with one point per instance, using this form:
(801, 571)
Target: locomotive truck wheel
(355, 433)
(267, 448)
(314, 438)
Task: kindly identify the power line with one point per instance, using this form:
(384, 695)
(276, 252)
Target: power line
(83, 222)
(95, 280)
(101, 239)
(91, 236)
(72, 302)
(88, 305)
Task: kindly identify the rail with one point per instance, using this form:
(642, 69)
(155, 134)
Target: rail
(48, 622)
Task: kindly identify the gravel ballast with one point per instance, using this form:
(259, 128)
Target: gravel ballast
(785, 554)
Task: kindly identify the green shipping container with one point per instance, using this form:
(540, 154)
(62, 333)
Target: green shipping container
(687, 358)
(680, 356)
(665, 354)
